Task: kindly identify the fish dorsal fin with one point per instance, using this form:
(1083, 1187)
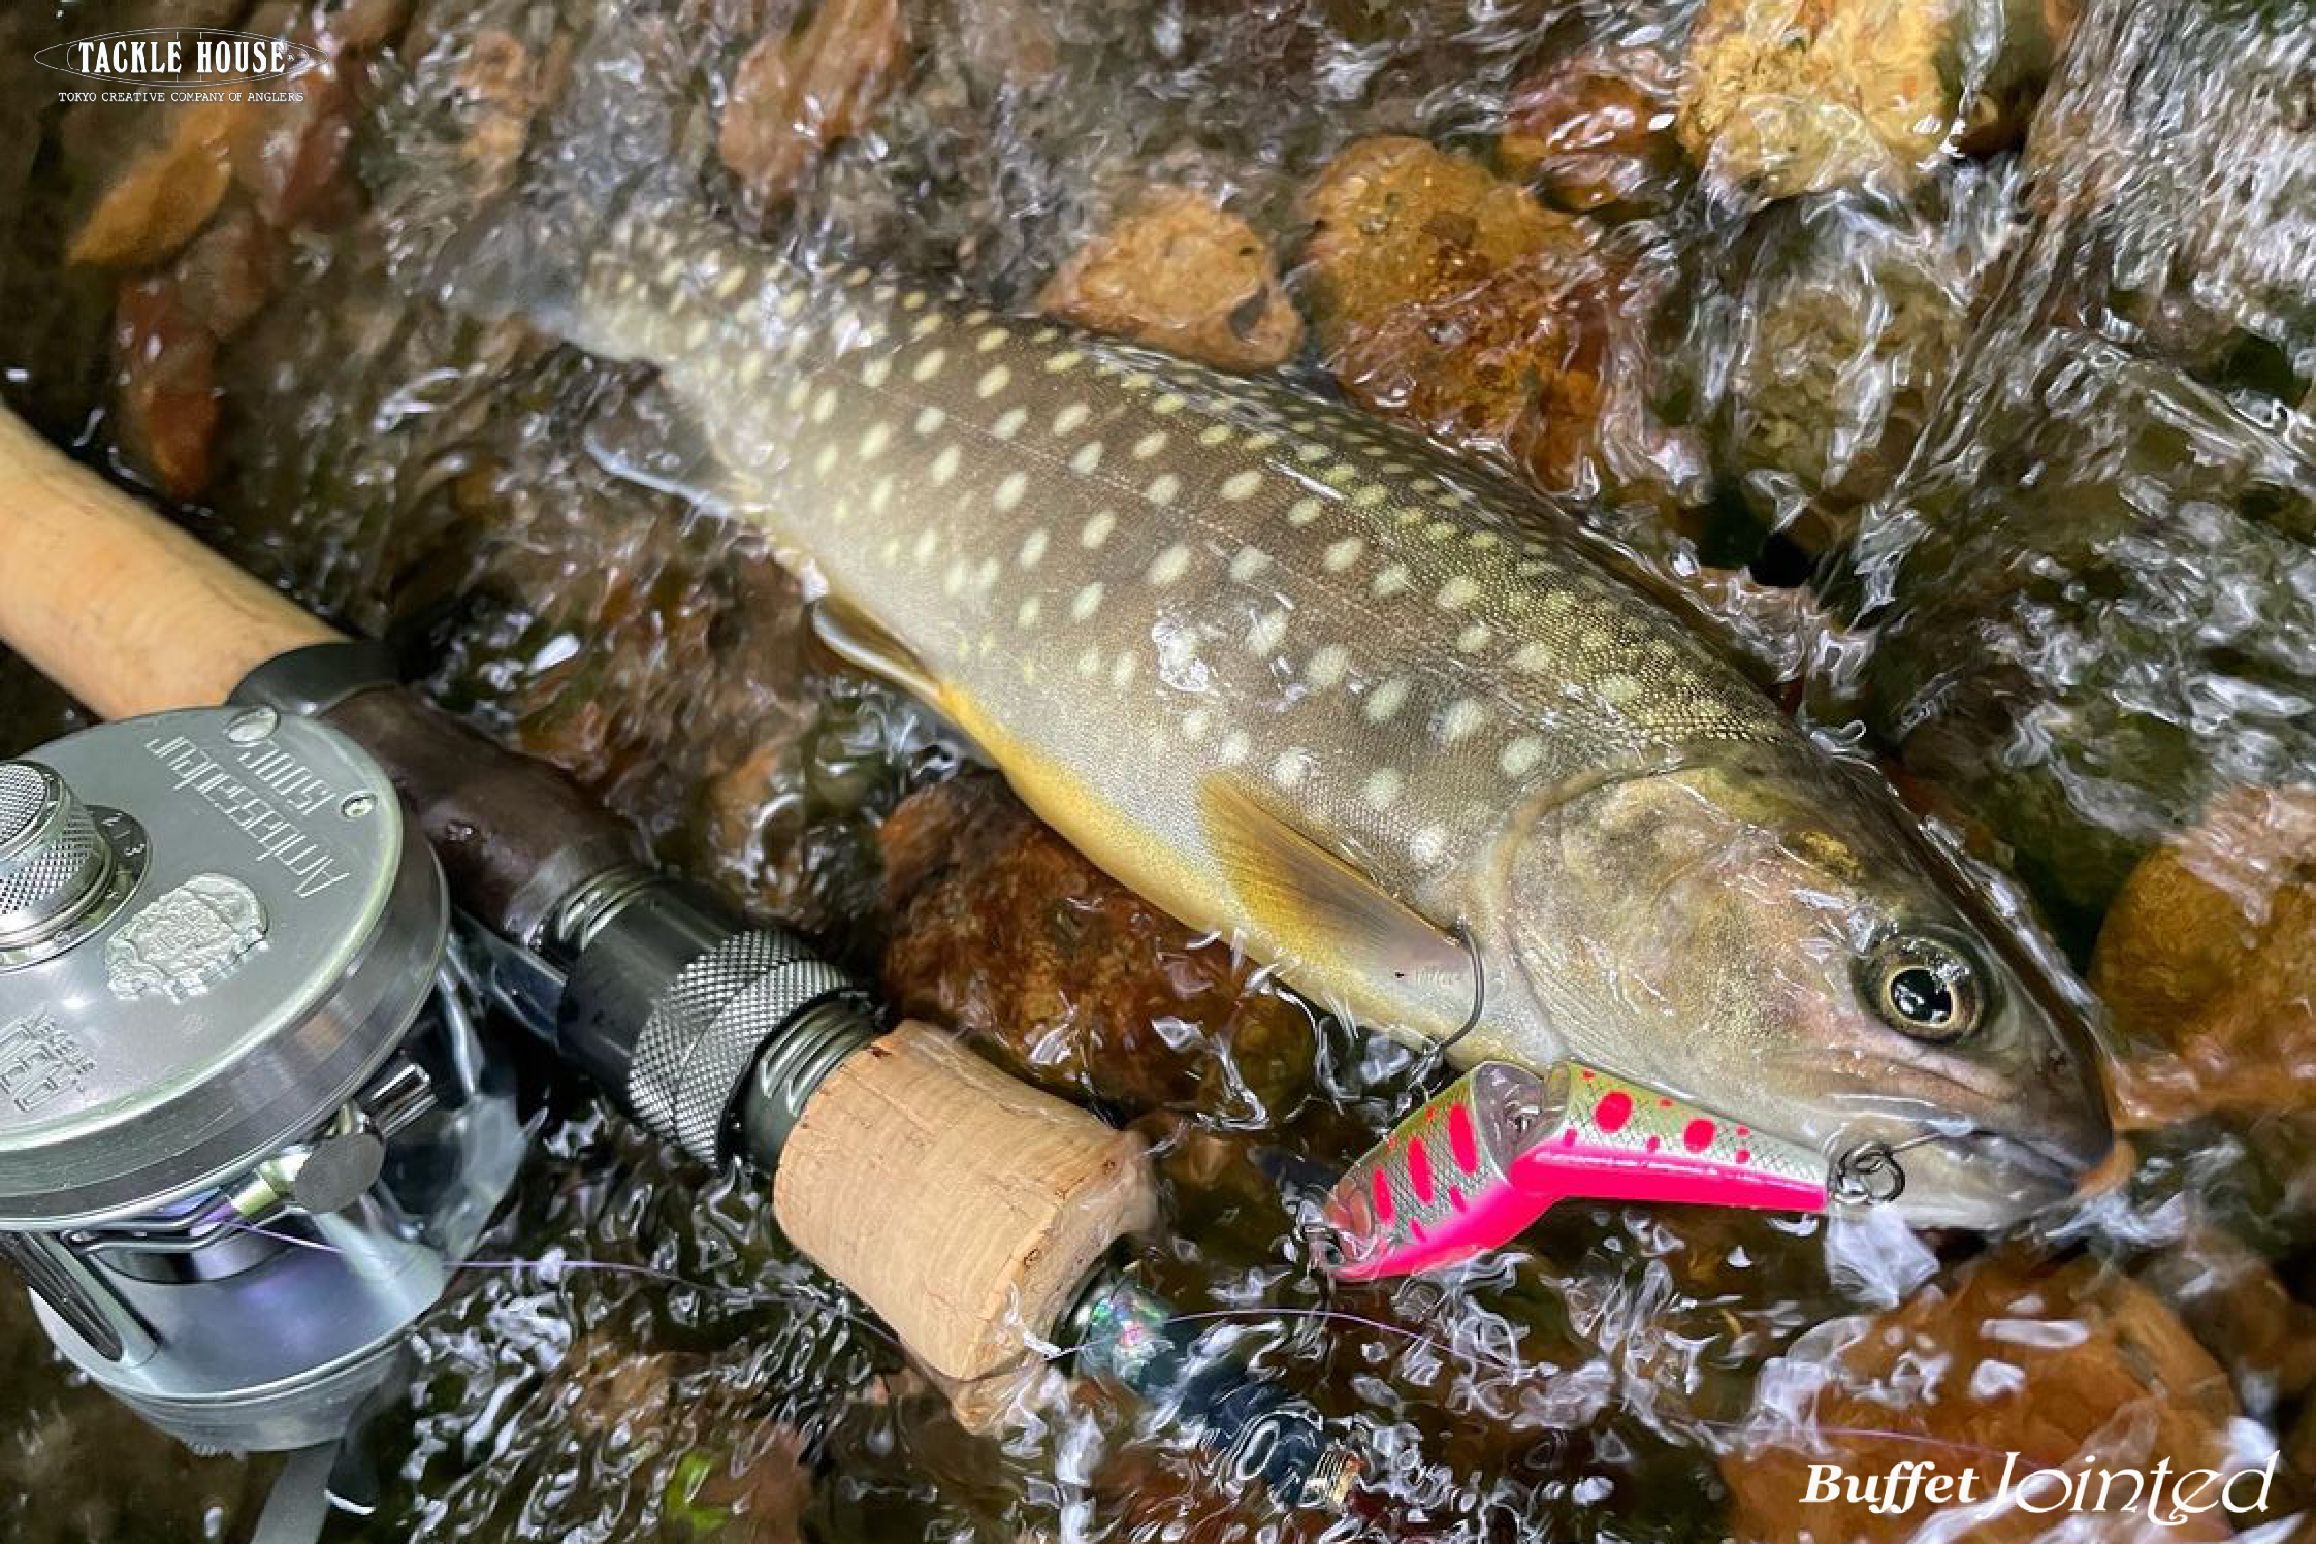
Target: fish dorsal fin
(1320, 906)
(866, 644)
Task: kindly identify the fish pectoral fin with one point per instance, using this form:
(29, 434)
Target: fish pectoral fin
(1320, 905)
(865, 644)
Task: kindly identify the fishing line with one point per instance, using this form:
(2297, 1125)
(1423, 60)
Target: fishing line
(1519, 1372)
(792, 1297)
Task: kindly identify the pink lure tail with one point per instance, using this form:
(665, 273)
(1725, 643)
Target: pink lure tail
(1479, 1163)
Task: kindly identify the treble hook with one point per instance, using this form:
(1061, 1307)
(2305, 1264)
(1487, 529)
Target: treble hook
(1862, 1173)
(1463, 935)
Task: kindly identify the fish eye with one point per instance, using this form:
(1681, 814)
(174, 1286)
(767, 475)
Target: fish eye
(1926, 987)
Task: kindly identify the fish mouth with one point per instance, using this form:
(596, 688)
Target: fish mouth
(1989, 1180)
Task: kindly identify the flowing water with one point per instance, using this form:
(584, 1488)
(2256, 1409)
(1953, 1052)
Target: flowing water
(1951, 364)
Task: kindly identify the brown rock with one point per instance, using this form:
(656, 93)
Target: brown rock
(799, 93)
(1451, 299)
(167, 386)
(1002, 930)
(166, 194)
(1795, 96)
(1595, 131)
(1396, 221)
(2207, 961)
(1180, 273)
(2057, 1364)
(2238, 1307)
(291, 156)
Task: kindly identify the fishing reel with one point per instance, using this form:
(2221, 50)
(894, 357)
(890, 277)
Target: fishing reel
(247, 1126)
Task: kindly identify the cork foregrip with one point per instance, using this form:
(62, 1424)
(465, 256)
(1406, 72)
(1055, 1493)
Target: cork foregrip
(964, 1207)
(122, 609)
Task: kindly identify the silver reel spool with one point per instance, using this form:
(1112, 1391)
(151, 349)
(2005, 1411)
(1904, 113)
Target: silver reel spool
(247, 1130)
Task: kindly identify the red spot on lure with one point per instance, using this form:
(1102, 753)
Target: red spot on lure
(1521, 1142)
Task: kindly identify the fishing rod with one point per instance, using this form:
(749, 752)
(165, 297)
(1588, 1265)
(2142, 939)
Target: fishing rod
(244, 926)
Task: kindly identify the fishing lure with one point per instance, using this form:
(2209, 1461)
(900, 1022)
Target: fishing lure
(1490, 1154)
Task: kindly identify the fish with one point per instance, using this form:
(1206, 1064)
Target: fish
(1377, 716)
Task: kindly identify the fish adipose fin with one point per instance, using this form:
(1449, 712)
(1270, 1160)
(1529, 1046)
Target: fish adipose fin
(1319, 906)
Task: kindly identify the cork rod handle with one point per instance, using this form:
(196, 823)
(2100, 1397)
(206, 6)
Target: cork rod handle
(967, 1209)
(116, 605)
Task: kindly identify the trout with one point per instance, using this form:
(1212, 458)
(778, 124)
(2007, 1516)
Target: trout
(1306, 682)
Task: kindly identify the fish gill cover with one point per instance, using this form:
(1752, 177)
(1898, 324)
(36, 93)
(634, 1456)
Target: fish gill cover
(1969, 409)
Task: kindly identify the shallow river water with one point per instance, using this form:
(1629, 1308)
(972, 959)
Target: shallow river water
(1950, 363)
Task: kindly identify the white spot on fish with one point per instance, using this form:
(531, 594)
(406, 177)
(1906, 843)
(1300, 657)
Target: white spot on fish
(1462, 718)
(1088, 457)
(1520, 757)
(1241, 486)
(1619, 690)
(824, 462)
(1026, 617)
(1167, 404)
(1170, 565)
(1393, 580)
(1234, 748)
(1303, 511)
(1213, 435)
(945, 465)
(1033, 548)
(1292, 767)
(1427, 846)
(1327, 666)
(877, 371)
(1386, 700)
(1341, 555)
(929, 421)
(881, 495)
(925, 326)
(874, 441)
(1249, 564)
(994, 338)
(1473, 638)
(1122, 673)
(1369, 496)
(927, 540)
(1097, 530)
(1457, 593)
(953, 581)
(1381, 790)
(1064, 362)
(1267, 633)
(1195, 724)
(1087, 602)
(929, 366)
(914, 300)
(1010, 490)
(1149, 445)
(1071, 417)
(1090, 663)
(1009, 423)
(992, 382)
(1162, 489)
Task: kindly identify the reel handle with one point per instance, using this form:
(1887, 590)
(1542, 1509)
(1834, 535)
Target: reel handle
(122, 609)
